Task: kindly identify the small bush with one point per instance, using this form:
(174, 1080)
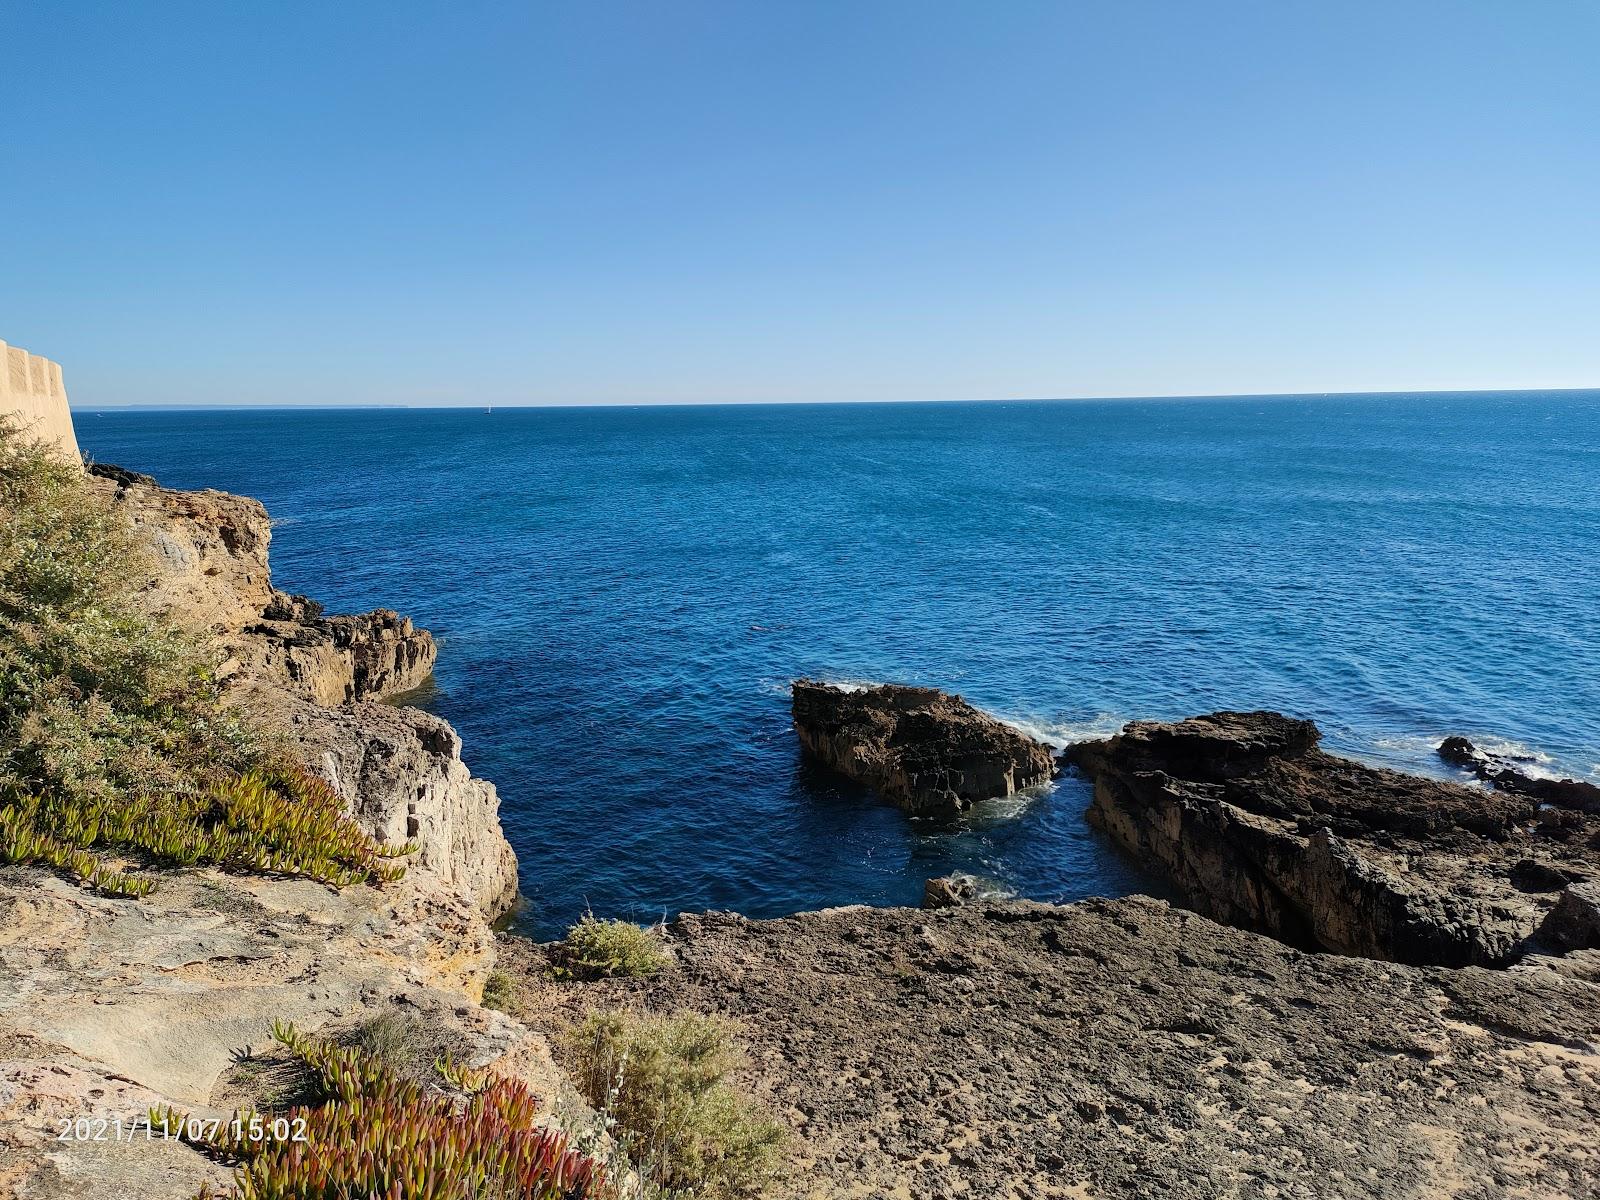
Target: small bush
(396, 1039)
(499, 991)
(378, 1134)
(98, 699)
(596, 949)
(660, 1085)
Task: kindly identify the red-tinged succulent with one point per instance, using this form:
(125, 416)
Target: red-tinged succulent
(382, 1137)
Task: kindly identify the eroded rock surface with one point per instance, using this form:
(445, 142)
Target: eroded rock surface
(919, 748)
(1114, 1049)
(108, 1006)
(336, 660)
(112, 1005)
(212, 575)
(400, 773)
(1518, 773)
(1261, 828)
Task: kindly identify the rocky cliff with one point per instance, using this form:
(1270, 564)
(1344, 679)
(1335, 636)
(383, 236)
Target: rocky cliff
(114, 1005)
(211, 574)
(1261, 828)
(315, 680)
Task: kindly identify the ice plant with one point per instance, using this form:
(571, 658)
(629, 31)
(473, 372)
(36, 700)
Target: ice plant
(278, 819)
(379, 1136)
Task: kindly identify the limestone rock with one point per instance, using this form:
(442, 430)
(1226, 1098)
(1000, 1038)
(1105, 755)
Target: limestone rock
(919, 748)
(112, 1005)
(210, 549)
(1261, 828)
(949, 891)
(1124, 1048)
(334, 660)
(400, 772)
(1514, 773)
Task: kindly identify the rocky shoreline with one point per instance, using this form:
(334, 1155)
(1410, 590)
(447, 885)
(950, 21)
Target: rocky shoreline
(115, 1005)
(1389, 986)
(1126, 1048)
(1262, 829)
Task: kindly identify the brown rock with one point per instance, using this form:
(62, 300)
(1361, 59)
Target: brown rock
(925, 750)
(337, 660)
(1574, 923)
(1508, 773)
(949, 891)
(1260, 828)
(1122, 1048)
(210, 549)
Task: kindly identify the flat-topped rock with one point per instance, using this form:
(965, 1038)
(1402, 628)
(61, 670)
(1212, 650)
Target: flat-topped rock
(1124, 1049)
(1261, 828)
(924, 750)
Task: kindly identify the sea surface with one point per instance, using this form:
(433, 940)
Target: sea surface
(622, 596)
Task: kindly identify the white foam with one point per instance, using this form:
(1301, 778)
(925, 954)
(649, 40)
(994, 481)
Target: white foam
(1060, 734)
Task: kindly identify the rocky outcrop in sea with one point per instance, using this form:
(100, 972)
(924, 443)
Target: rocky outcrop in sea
(924, 750)
(1261, 828)
(1512, 772)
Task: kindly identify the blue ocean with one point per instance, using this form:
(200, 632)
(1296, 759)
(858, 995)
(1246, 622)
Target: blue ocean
(623, 594)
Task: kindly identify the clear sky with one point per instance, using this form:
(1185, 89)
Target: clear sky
(674, 200)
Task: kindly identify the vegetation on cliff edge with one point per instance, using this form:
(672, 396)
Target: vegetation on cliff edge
(596, 949)
(116, 745)
(660, 1086)
(376, 1133)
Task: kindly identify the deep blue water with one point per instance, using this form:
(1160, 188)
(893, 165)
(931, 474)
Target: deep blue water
(622, 596)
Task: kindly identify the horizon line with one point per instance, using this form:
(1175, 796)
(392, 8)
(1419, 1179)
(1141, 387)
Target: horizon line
(423, 406)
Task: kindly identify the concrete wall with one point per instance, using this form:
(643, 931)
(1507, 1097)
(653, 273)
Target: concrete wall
(31, 388)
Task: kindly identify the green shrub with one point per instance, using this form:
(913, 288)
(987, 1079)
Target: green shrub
(378, 1134)
(660, 1085)
(596, 949)
(396, 1039)
(499, 991)
(114, 737)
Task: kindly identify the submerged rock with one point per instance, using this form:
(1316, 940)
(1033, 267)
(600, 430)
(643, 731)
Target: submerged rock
(925, 750)
(1261, 828)
(1507, 772)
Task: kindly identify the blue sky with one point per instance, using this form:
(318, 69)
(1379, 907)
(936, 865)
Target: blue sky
(680, 201)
